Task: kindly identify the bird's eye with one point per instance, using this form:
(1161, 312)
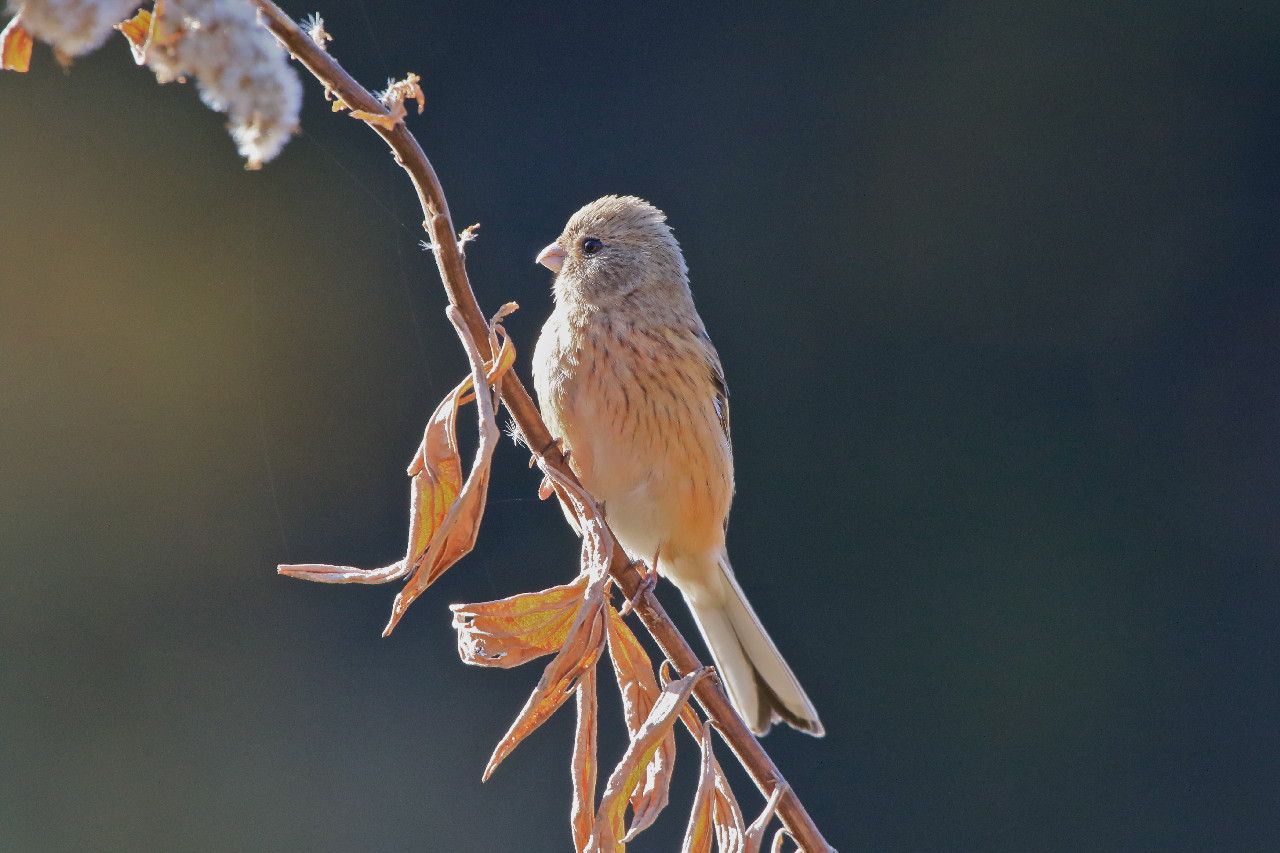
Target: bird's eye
(590, 246)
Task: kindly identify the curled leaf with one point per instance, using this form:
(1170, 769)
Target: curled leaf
(754, 837)
(15, 46)
(325, 573)
(726, 816)
(580, 652)
(393, 99)
(715, 814)
(139, 31)
(639, 691)
(515, 630)
(445, 512)
(609, 830)
(452, 536)
(584, 769)
(701, 830)
(585, 517)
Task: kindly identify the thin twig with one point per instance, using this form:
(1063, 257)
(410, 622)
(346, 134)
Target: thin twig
(453, 274)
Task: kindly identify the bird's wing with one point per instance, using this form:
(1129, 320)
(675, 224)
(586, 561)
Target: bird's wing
(721, 400)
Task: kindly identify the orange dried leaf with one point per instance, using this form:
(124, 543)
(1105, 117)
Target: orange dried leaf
(403, 90)
(15, 47)
(436, 470)
(138, 31)
(393, 99)
(387, 121)
(437, 481)
(581, 650)
(438, 541)
(584, 768)
(146, 30)
(515, 630)
(445, 512)
(608, 832)
(701, 830)
(725, 813)
(639, 691)
(715, 813)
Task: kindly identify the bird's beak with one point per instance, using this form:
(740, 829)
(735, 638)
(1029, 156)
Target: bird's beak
(552, 257)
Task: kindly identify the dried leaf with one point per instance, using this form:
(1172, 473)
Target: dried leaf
(445, 512)
(585, 517)
(436, 470)
(516, 630)
(701, 830)
(15, 47)
(688, 716)
(584, 769)
(394, 115)
(581, 650)
(754, 837)
(715, 812)
(147, 29)
(639, 691)
(138, 30)
(402, 90)
(453, 536)
(393, 99)
(609, 829)
(726, 816)
(325, 573)
(545, 489)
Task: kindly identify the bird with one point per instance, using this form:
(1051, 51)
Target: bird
(629, 383)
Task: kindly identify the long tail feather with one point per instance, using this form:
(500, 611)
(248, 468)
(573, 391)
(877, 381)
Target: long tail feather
(760, 684)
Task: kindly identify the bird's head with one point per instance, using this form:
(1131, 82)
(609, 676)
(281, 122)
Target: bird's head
(617, 247)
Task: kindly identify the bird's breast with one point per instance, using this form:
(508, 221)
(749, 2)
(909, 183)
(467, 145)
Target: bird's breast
(635, 406)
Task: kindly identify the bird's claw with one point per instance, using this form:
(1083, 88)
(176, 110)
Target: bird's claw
(558, 444)
(648, 580)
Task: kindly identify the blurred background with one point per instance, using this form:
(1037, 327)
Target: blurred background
(995, 286)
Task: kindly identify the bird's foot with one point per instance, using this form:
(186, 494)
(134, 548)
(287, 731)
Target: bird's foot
(555, 443)
(547, 489)
(648, 580)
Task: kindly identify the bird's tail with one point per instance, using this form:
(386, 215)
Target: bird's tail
(760, 684)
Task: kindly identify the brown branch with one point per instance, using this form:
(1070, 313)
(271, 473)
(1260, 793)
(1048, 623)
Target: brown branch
(453, 274)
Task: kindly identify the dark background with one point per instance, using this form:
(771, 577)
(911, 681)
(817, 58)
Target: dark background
(995, 286)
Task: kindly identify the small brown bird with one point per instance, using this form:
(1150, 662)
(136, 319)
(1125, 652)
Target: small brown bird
(629, 381)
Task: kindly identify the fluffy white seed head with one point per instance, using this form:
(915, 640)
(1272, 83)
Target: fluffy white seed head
(239, 68)
(74, 27)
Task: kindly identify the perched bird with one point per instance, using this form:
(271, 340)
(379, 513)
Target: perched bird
(628, 380)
